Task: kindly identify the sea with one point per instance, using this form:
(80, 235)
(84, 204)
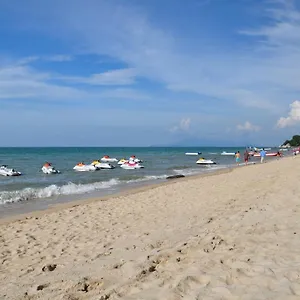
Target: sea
(34, 190)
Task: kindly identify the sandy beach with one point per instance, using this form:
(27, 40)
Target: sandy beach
(233, 235)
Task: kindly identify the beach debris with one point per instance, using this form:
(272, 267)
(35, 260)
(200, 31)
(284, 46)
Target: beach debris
(152, 268)
(209, 220)
(86, 285)
(41, 287)
(175, 176)
(50, 267)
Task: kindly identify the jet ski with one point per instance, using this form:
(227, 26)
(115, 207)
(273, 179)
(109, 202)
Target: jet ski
(135, 159)
(49, 169)
(122, 161)
(131, 165)
(101, 165)
(5, 171)
(131, 159)
(81, 167)
(108, 159)
(203, 161)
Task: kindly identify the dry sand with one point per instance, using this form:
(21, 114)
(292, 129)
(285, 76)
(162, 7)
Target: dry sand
(229, 236)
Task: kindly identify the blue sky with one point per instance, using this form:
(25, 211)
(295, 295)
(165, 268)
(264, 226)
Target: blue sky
(139, 73)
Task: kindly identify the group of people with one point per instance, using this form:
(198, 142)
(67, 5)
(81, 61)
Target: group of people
(262, 153)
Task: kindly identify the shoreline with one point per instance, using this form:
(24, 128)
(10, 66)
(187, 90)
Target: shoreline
(231, 235)
(123, 193)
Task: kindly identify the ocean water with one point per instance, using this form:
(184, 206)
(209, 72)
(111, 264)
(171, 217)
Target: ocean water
(34, 189)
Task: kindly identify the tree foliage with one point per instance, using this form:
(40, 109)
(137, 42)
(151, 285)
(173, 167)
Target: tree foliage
(294, 142)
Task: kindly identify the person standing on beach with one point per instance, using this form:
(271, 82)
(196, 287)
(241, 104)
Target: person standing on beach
(246, 157)
(262, 155)
(238, 157)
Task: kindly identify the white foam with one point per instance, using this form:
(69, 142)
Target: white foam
(68, 189)
(203, 169)
(54, 190)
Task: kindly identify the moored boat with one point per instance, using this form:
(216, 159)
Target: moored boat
(193, 153)
(228, 153)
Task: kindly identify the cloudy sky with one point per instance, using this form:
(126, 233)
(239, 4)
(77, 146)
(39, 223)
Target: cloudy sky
(151, 72)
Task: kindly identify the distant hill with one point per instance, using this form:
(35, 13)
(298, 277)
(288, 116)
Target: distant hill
(294, 142)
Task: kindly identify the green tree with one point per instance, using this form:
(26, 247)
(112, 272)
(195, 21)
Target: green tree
(294, 142)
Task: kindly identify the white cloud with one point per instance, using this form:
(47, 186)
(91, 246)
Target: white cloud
(54, 58)
(24, 82)
(184, 125)
(293, 116)
(247, 126)
(258, 77)
(112, 77)
(262, 74)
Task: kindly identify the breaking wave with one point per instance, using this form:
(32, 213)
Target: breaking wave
(67, 189)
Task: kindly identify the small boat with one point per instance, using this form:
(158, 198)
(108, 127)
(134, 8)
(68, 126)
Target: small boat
(49, 169)
(102, 165)
(193, 153)
(228, 153)
(203, 161)
(81, 167)
(131, 165)
(267, 154)
(5, 171)
(106, 158)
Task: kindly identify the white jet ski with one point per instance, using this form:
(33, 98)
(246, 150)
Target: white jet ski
(49, 169)
(203, 161)
(101, 165)
(131, 165)
(5, 171)
(135, 159)
(131, 159)
(81, 167)
(108, 159)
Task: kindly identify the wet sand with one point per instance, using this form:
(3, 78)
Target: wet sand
(233, 235)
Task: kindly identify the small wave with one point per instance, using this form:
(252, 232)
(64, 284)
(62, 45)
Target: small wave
(200, 170)
(149, 177)
(53, 190)
(179, 167)
(67, 189)
(187, 172)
